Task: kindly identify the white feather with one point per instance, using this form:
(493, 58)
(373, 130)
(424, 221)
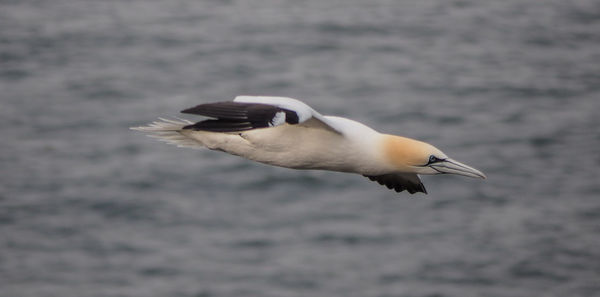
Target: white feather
(278, 119)
(168, 130)
(303, 111)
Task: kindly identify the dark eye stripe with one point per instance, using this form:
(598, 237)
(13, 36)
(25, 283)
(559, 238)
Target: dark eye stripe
(433, 159)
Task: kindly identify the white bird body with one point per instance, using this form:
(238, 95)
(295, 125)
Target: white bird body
(285, 132)
(302, 146)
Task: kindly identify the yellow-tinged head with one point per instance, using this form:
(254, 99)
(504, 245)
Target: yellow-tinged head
(413, 156)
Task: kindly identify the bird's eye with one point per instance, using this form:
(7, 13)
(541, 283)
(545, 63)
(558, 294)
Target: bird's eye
(433, 159)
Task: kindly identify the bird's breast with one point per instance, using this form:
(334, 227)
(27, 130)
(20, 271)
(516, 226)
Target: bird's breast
(301, 147)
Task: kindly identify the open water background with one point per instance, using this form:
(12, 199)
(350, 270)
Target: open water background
(90, 208)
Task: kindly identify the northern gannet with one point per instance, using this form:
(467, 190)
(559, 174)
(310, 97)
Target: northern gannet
(286, 132)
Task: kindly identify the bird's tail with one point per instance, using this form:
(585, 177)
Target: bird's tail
(169, 131)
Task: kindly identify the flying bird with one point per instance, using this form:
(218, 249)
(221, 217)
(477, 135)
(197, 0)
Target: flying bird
(286, 132)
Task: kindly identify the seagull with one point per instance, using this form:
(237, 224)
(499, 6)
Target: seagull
(286, 132)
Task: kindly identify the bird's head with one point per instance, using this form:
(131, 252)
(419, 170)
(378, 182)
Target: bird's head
(409, 155)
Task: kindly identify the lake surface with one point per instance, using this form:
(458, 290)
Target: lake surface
(90, 208)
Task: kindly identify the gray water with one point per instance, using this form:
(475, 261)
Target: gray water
(90, 208)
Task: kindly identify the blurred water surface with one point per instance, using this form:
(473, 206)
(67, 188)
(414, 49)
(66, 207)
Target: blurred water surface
(90, 208)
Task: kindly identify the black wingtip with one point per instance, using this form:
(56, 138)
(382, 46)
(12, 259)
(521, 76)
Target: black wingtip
(209, 109)
(191, 110)
(231, 116)
(400, 182)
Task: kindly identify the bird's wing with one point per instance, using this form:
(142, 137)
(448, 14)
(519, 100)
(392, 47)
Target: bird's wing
(400, 182)
(253, 112)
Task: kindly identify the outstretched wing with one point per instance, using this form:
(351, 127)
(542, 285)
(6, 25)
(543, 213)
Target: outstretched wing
(234, 116)
(252, 112)
(400, 182)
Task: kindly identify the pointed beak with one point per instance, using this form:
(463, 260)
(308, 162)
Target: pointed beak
(451, 166)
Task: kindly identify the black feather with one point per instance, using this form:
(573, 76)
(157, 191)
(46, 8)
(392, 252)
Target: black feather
(233, 116)
(220, 126)
(400, 182)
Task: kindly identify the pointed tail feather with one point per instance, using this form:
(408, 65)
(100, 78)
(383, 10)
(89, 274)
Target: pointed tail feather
(168, 130)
